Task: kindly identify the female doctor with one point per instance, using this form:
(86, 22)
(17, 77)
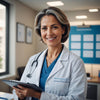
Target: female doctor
(59, 72)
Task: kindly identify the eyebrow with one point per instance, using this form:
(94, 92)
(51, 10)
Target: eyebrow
(51, 25)
(54, 24)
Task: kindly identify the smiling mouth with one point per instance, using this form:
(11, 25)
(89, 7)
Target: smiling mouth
(51, 38)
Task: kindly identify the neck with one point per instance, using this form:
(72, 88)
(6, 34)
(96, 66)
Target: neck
(53, 52)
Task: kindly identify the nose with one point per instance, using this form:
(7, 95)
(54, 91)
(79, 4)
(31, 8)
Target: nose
(49, 31)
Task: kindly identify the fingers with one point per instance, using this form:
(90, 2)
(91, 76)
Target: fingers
(17, 89)
(20, 95)
(21, 87)
(19, 92)
(24, 92)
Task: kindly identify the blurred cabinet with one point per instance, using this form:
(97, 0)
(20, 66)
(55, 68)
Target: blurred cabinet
(93, 90)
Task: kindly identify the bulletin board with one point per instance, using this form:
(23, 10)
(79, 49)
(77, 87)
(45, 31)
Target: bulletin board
(85, 42)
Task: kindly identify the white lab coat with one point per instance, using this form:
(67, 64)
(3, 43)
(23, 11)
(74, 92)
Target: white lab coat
(67, 80)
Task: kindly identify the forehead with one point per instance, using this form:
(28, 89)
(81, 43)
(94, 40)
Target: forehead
(49, 19)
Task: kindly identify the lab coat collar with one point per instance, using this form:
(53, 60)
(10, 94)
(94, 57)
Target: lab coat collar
(64, 55)
(59, 65)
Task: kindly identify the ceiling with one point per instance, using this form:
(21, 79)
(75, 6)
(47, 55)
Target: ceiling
(72, 8)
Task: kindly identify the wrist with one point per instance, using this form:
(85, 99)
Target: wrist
(21, 99)
(39, 95)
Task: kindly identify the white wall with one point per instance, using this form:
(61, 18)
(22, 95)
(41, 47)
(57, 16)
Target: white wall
(24, 15)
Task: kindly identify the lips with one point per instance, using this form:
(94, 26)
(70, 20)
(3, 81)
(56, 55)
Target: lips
(51, 38)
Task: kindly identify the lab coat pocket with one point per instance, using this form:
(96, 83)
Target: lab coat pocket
(61, 86)
(63, 80)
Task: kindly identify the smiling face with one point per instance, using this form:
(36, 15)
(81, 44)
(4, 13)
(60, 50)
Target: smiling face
(51, 30)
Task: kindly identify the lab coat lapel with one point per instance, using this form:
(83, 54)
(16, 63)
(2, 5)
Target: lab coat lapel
(60, 63)
(39, 67)
(58, 66)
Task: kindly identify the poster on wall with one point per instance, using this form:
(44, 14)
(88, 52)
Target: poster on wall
(28, 35)
(85, 42)
(20, 32)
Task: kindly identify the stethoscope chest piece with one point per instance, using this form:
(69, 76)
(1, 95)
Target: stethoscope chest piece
(29, 75)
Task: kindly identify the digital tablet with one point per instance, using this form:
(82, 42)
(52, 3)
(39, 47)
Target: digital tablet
(2, 98)
(15, 83)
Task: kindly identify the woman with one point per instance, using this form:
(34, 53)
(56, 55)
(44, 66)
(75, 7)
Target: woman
(59, 72)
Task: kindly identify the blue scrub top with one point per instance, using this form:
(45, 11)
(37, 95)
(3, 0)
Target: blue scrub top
(45, 72)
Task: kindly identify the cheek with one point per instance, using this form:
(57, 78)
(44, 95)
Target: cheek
(59, 34)
(43, 35)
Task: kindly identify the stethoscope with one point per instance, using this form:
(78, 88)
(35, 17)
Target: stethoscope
(29, 75)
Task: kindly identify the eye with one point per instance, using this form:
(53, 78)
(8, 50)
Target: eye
(54, 27)
(43, 28)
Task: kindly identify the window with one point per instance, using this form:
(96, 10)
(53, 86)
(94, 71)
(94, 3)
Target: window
(4, 38)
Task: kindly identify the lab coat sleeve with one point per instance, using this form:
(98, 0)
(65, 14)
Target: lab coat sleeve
(27, 69)
(78, 85)
(23, 78)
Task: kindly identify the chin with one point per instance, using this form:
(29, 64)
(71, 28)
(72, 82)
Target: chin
(53, 45)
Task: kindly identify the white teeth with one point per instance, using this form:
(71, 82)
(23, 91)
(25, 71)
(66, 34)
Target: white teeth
(51, 38)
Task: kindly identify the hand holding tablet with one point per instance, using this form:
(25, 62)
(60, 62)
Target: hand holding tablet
(15, 83)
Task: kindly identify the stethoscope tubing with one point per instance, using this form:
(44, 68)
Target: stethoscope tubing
(29, 75)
